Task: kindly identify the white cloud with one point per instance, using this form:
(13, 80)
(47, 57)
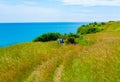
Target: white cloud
(26, 13)
(92, 2)
(30, 12)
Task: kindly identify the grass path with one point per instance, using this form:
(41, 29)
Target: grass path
(33, 76)
(43, 72)
(58, 74)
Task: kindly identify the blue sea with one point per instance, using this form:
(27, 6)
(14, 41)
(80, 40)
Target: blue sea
(12, 33)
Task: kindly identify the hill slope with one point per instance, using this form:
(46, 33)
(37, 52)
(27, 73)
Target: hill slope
(51, 62)
(113, 26)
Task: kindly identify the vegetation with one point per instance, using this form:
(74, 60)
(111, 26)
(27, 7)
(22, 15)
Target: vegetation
(48, 37)
(91, 28)
(51, 62)
(66, 36)
(69, 38)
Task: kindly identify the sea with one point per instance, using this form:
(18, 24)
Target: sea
(14, 33)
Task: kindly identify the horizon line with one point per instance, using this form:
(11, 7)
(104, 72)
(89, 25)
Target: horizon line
(58, 22)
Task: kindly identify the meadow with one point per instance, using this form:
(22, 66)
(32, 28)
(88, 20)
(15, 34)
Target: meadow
(52, 62)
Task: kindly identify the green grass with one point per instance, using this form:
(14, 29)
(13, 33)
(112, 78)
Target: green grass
(95, 59)
(113, 26)
(83, 41)
(97, 63)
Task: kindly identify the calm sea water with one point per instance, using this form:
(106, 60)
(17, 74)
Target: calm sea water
(12, 33)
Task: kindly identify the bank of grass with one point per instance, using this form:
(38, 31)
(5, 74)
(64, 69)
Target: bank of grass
(113, 26)
(96, 63)
(39, 61)
(25, 62)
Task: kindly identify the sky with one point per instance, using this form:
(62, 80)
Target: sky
(59, 10)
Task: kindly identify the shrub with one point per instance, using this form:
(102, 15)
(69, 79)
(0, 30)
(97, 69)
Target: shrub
(73, 35)
(91, 28)
(71, 40)
(88, 30)
(102, 23)
(48, 37)
(66, 36)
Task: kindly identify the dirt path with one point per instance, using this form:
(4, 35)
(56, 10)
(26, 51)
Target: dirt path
(58, 74)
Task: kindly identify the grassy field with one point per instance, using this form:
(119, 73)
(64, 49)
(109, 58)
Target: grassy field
(51, 62)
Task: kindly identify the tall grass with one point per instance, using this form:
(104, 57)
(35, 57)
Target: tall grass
(38, 62)
(97, 63)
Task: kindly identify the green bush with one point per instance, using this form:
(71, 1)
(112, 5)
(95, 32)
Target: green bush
(71, 40)
(90, 28)
(66, 36)
(48, 37)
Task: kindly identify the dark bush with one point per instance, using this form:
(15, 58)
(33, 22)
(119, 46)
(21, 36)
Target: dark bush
(102, 23)
(92, 30)
(48, 37)
(71, 40)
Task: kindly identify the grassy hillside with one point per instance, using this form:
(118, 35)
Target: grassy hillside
(98, 27)
(113, 26)
(51, 62)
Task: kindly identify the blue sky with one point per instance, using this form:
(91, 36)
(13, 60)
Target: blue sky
(59, 10)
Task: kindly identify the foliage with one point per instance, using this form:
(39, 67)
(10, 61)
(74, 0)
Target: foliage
(91, 28)
(66, 36)
(54, 36)
(73, 35)
(48, 37)
(71, 40)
